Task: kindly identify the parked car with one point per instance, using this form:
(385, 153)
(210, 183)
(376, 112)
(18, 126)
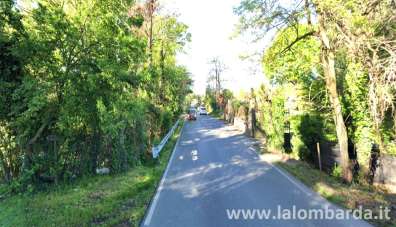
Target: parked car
(192, 114)
(202, 111)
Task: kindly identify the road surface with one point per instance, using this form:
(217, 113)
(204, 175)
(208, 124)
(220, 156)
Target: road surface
(214, 169)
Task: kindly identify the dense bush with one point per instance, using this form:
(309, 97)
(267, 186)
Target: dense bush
(271, 117)
(340, 66)
(82, 88)
(210, 101)
(309, 129)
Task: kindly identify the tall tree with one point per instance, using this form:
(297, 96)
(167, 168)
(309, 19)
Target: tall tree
(217, 68)
(78, 86)
(367, 29)
(266, 15)
(12, 38)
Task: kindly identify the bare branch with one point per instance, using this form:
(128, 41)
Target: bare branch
(296, 41)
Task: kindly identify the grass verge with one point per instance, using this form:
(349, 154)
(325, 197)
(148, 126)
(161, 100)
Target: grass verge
(348, 196)
(113, 200)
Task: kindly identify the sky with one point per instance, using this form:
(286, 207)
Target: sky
(212, 24)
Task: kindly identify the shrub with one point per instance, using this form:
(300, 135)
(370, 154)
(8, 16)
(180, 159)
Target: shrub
(337, 171)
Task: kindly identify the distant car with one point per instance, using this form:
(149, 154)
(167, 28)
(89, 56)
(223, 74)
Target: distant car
(192, 114)
(202, 111)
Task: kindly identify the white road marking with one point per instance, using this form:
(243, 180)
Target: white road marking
(303, 189)
(161, 185)
(307, 192)
(194, 154)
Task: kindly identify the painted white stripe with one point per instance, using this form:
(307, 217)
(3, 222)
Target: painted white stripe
(299, 186)
(161, 185)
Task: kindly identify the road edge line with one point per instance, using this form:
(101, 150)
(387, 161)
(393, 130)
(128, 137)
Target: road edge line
(147, 218)
(293, 181)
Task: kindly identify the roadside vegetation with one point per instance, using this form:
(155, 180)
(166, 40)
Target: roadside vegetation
(85, 85)
(113, 200)
(331, 79)
(348, 196)
(94, 85)
(331, 85)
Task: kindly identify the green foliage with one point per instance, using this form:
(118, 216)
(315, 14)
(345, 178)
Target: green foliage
(9, 154)
(227, 94)
(237, 104)
(271, 117)
(297, 68)
(77, 92)
(354, 42)
(307, 131)
(210, 100)
(296, 65)
(118, 199)
(295, 72)
(337, 172)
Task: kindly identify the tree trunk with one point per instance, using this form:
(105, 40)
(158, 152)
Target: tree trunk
(6, 169)
(151, 9)
(328, 62)
(162, 78)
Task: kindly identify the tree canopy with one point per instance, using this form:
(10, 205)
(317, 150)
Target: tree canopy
(83, 87)
(339, 57)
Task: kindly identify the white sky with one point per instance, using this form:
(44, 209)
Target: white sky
(212, 23)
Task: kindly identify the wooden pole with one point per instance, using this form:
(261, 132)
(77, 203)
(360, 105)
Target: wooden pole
(319, 160)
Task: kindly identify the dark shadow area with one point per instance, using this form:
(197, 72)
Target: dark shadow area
(311, 131)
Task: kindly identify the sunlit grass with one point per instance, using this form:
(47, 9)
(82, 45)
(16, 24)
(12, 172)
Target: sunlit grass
(349, 196)
(100, 200)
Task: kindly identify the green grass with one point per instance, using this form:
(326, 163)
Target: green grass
(113, 200)
(350, 196)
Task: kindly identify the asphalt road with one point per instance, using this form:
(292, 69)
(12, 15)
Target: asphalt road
(214, 168)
